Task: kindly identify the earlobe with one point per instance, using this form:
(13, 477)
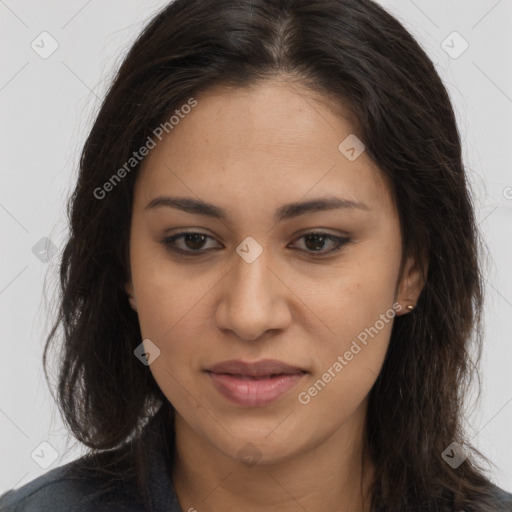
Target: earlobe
(131, 298)
(133, 304)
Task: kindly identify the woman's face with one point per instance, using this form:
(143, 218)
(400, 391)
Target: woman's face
(255, 282)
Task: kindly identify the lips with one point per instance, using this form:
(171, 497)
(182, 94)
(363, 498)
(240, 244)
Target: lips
(263, 368)
(254, 384)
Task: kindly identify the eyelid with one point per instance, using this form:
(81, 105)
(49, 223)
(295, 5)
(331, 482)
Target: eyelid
(339, 241)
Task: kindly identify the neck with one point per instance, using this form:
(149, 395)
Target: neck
(325, 477)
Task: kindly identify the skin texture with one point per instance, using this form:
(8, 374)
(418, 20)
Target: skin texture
(250, 151)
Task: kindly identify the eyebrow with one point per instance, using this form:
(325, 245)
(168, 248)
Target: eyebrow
(284, 212)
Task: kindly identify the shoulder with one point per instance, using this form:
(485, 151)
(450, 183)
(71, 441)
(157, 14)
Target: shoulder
(134, 477)
(69, 488)
(504, 498)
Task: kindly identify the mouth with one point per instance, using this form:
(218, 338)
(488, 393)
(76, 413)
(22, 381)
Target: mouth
(262, 368)
(254, 384)
(253, 377)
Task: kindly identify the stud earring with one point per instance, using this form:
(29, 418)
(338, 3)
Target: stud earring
(410, 308)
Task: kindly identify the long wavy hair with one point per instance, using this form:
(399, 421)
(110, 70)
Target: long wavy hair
(360, 57)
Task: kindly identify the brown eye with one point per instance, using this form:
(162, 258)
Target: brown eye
(317, 241)
(191, 243)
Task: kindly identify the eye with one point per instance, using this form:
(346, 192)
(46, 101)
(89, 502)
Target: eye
(316, 241)
(191, 239)
(192, 243)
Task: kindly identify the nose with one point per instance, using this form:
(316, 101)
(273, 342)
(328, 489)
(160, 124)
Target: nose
(254, 300)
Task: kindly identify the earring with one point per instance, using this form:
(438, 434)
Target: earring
(410, 308)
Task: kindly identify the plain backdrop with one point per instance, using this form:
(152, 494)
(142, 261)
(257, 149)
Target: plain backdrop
(47, 107)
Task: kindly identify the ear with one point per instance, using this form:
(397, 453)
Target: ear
(410, 286)
(131, 297)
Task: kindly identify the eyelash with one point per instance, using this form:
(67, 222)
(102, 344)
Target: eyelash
(169, 244)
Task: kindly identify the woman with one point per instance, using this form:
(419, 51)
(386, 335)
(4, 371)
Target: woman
(271, 285)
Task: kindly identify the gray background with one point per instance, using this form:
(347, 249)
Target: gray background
(48, 105)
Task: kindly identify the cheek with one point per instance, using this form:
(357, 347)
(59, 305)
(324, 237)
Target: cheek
(172, 310)
(355, 299)
(358, 309)
(165, 292)
(358, 348)
(169, 307)
(347, 370)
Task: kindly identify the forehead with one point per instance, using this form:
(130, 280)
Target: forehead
(267, 140)
(282, 117)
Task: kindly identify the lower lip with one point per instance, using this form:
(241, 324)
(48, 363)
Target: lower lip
(254, 392)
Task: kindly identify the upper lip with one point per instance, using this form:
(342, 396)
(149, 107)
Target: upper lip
(256, 369)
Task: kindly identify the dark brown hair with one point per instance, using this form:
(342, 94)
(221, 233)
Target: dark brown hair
(361, 58)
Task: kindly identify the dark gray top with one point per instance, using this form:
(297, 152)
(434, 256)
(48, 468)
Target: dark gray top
(61, 490)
